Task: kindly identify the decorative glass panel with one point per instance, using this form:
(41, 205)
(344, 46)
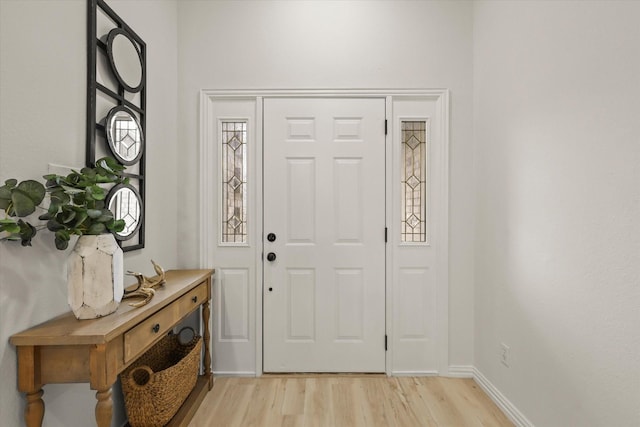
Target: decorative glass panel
(414, 181)
(234, 182)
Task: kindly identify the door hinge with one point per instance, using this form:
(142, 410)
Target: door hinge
(385, 234)
(385, 126)
(385, 343)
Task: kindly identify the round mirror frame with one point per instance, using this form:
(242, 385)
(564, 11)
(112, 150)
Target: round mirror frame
(112, 144)
(112, 194)
(110, 38)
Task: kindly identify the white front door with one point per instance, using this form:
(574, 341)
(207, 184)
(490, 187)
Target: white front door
(324, 235)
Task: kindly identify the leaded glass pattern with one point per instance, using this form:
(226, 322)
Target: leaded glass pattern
(126, 205)
(414, 181)
(127, 138)
(234, 182)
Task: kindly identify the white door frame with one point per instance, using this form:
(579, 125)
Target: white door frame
(208, 206)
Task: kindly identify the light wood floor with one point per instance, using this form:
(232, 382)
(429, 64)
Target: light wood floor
(347, 401)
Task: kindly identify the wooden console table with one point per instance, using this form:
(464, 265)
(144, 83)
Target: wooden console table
(67, 350)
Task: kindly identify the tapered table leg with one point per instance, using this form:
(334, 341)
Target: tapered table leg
(34, 412)
(104, 408)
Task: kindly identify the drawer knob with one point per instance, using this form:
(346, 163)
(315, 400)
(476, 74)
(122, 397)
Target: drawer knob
(194, 299)
(156, 328)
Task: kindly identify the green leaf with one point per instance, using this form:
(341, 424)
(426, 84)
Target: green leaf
(96, 228)
(63, 235)
(116, 226)
(108, 169)
(53, 208)
(94, 213)
(5, 193)
(73, 178)
(33, 189)
(97, 192)
(107, 179)
(68, 216)
(72, 190)
(27, 232)
(86, 182)
(5, 197)
(10, 228)
(81, 217)
(106, 215)
(23, 205)
(89, 172)
(105, 166)
(53, 225)
(12, 182)
(60, 197)
(45, 216)
(54, 180)
(80, 199)
(61, 244)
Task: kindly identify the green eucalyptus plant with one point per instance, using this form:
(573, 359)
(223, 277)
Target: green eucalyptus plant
(77, 204)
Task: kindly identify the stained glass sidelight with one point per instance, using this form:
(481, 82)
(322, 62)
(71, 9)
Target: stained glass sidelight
(414, 181)
(234, 182)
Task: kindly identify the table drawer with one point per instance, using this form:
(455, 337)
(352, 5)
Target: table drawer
(152, 329)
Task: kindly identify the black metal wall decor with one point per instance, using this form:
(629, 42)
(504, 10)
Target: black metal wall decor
(116, 113)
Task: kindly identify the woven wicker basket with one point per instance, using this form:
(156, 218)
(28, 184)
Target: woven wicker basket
(156, 385)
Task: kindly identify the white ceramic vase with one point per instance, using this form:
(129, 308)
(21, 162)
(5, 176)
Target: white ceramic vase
(95, 276)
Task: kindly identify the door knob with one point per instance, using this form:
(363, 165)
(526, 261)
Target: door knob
(271, 256)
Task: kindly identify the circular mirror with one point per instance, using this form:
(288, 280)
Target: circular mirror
(125, 203)
(124, 135)
(125, 59)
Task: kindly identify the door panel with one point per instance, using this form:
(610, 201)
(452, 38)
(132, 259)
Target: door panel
(324, 199)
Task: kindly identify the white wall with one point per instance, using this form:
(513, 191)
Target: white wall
(557, 133)
(42, 120)
(346, 44)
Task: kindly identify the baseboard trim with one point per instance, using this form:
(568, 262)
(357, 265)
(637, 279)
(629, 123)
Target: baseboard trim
(235, 374)
(414, 373)
(499, 399)
(460, 371)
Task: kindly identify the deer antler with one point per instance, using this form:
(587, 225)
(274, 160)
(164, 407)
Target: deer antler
(146, 285)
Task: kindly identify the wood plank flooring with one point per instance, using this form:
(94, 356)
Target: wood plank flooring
(347, 401)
